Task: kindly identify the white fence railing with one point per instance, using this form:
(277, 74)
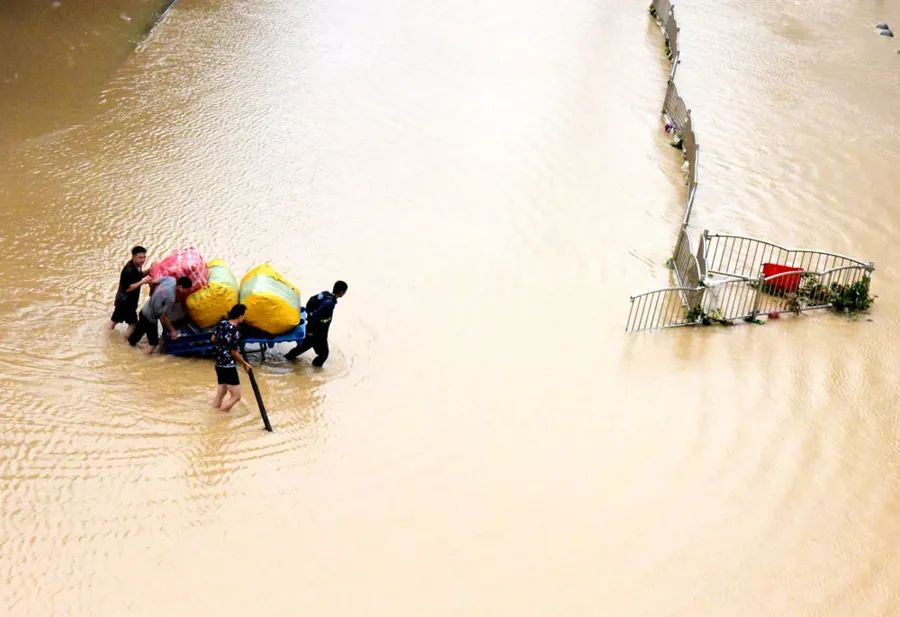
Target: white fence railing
(785, 292)
(663, 308)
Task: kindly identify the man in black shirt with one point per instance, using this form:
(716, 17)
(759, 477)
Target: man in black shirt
(319, 310)
(129, 292)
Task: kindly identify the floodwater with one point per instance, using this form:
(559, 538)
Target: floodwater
(493, 182)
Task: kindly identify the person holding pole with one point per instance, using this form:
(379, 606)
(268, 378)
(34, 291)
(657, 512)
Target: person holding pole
(227, 338)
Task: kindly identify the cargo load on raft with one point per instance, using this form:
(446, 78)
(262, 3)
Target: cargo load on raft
(274, 315)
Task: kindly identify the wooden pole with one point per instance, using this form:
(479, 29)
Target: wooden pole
(259, 401)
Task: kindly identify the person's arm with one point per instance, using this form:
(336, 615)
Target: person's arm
(240, 359)
(173, 333)
(139, 284)
(168, 303)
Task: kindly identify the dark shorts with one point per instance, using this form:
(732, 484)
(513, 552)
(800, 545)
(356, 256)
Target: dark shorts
(125, 312)
(228, 376)
(145, 327)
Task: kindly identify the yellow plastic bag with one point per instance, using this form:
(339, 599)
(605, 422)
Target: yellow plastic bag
(211, 303)
(273, 304)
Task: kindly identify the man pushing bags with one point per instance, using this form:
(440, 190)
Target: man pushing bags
(319, 312)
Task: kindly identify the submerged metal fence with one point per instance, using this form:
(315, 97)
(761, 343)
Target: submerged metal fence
(675, 110)
(670, 26)
(680, 123)
(726, 278)
(664, 12)
(735, 298)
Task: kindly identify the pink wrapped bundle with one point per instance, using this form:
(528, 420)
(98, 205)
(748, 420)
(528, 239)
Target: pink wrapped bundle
(185, 262)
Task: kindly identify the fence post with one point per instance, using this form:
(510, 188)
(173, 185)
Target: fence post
(677, 249)
(756, 299)
(689, 206)
(701, 257)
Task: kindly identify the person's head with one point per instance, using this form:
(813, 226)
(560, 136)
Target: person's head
(139, 255)
(184, 283)
(339, 289)
(237, 313)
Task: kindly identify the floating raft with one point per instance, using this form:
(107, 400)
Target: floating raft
(195, 341)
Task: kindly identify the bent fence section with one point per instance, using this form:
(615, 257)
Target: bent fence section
(663, 308)
(744, 256)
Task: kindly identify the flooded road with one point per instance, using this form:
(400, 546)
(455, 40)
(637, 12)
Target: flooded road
(493, 182)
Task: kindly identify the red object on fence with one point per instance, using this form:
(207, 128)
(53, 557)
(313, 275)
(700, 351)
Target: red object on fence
(788, 283)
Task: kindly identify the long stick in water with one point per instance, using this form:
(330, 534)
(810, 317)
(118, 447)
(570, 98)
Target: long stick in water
(259, 401)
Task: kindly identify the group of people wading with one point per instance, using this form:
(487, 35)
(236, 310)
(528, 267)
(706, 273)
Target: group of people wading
(226, 337)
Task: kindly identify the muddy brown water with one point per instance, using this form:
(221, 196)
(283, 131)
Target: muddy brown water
(493, 182)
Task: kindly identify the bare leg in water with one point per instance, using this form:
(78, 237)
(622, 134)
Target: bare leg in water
(235, 396)
(220, 395)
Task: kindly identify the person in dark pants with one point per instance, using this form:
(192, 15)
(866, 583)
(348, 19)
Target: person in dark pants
(156, 309)
(319, 310)
(131, 280)
(227, 339)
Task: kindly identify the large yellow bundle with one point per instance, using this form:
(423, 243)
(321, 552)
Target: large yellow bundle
(273, 304)
(211, 303)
